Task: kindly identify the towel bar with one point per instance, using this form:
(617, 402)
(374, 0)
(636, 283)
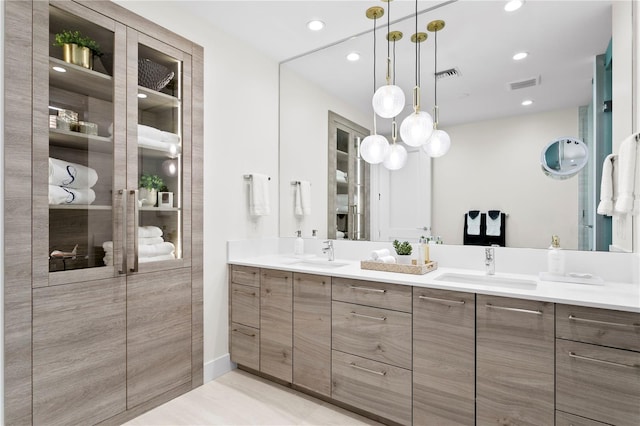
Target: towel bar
(295, 182)
(249, 177)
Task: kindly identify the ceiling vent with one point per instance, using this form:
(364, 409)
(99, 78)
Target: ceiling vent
(451, 72)
(523, 84)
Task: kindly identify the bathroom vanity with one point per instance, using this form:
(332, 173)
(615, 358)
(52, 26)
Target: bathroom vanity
(450, 347)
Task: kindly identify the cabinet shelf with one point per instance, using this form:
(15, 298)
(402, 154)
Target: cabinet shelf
(76, 140)
(148, 152)
(159, 209)
(78, 207)
(81, 80)
(156, 100)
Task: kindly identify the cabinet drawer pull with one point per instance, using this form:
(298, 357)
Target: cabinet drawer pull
(244, 332)
(446, 301)
(357, 367)
(617, 324)
(245, 292)
(355, 314)
(374, 290)
(504, 308)
(601, 361)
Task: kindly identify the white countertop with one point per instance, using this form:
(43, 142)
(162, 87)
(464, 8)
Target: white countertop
(609, 295)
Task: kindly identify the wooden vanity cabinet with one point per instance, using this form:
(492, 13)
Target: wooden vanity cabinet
(514, 361)
(598, 364)
(276, 324)
(443, 357)
(244, 316)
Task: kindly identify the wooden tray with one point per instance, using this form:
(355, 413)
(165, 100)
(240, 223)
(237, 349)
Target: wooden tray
(395, 267)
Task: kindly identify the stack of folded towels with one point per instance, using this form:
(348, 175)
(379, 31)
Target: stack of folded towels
(151, 246)
(341, 176)
(150, 137)
(382, 256)
(71, 183)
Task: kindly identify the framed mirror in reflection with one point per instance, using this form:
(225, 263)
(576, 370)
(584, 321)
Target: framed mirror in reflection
(579, 58)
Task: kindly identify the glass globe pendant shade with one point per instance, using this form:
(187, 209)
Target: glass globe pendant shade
(388, 101)
(417, 128)
(374, 149)
(438, 144)
(396, 158)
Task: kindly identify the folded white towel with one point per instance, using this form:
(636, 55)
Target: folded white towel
(146, 241)
(340, 235)
(387, 259)
(152, 250)
(170, 138)
(169, 256)
(71, 175)
(170, 148)
(341, 176)
(493, 225)
(149, 132)
(303, 198)
(107, 246)
(60, 195)
(259, 195)
(626, 176)
(608, 185)
(473, 225)
(376, 254)
(149, 231)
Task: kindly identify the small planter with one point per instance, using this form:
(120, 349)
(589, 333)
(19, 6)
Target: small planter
(77, 55)
(403, 259)
(148, 197)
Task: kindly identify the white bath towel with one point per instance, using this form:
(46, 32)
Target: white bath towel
(259, 195)
(146, 241)
(387, 259)
(71, 175)
(303, 198)
(340, 235)
(608, 185)
(377, 254)
(60, 195)
(107, 246)
(149, 132)
(149, 231)
(169, 256)
(341, 176)
(170, 138)
(627, 160)
(473, 224)
(152, 250)
(170, 148)
(493, 225)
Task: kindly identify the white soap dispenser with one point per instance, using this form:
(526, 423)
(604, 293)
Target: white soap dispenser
(555, 257)
(298, 245)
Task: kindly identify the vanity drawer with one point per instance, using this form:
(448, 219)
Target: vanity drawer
(599, 383)
(245, 346)
(373, 333)
(245, 305)
(566, 419)
(372, 386)
(598, 326)
(245, 275)
(370, 293)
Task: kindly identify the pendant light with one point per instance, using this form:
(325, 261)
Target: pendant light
(397, 156)
(388, 100)
(416, 128)
(374, 148)
(439, 142)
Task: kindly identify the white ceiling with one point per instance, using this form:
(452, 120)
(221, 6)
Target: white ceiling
(562, 38)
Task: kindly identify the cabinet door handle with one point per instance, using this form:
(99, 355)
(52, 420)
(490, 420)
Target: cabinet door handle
(438, 300)
(357, 367)
(602, 361)
(123, 220)
(617, 324)
(244, 332)
(245, 292)
(355, 314)
(504, 308)
(136, 222)
(374, 290)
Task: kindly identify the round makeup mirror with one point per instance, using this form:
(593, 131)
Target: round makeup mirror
(563, 158)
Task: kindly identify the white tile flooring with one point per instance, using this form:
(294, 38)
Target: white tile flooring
(240, 398)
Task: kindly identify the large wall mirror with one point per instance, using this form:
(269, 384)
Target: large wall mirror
(580, 57)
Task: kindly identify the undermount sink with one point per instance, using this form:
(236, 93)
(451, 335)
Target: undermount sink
(491, 280)
(318, 263)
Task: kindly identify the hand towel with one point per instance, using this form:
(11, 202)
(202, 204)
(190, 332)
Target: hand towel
(149, 231)
(146, 241)
(71, 175)
(60, 195)
(170, 148)
(494, 222)
(149, 132)
(170, 138)
(303, 198)
(387, 259)
(626, 176)
(152, 250)
(259, 195)
(376, 254)
(473, 222)
(608, 185)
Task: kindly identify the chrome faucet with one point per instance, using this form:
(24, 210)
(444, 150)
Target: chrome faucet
(490, 260)
(328, 249)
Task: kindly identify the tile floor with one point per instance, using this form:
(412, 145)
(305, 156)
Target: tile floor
(240, 398)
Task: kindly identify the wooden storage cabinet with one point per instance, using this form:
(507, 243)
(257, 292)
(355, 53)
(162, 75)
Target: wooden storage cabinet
(566, 419)
(276, 324)
(598, 364)
(245, 346)
(514, 361)
(312, 332)
(244, 304)
(396, 297)
(443, 357)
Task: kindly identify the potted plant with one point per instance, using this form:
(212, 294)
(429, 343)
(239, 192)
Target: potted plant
(403, 251)
(149, 186)
(77, 49)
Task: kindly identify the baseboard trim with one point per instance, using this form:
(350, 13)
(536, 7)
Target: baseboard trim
(217, 367)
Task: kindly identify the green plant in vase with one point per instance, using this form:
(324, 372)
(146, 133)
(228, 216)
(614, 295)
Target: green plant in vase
(148, 189)
(77, 49)
(403, 251)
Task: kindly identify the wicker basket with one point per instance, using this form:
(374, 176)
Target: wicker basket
(152, 75)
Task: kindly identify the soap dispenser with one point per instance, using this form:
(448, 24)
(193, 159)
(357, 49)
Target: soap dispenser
(298, 246)
(555, 257)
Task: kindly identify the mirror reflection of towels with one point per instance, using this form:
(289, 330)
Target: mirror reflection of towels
(494, 223)
(473, 222)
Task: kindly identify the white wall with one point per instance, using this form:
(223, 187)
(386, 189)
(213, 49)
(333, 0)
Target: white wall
(304, 148)
(240, 136)
(472, 177)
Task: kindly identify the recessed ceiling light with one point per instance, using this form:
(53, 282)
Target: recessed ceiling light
(315, 25)
(142, 96)
(527, 102)
(520, 56)
(59, 69)
(513, 5)
(353, 56)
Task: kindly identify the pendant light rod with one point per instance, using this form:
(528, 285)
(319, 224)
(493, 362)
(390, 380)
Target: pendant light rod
(374, 13)
(435, 27)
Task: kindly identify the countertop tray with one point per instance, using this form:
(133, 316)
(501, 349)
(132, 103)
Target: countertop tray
(395, 267)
